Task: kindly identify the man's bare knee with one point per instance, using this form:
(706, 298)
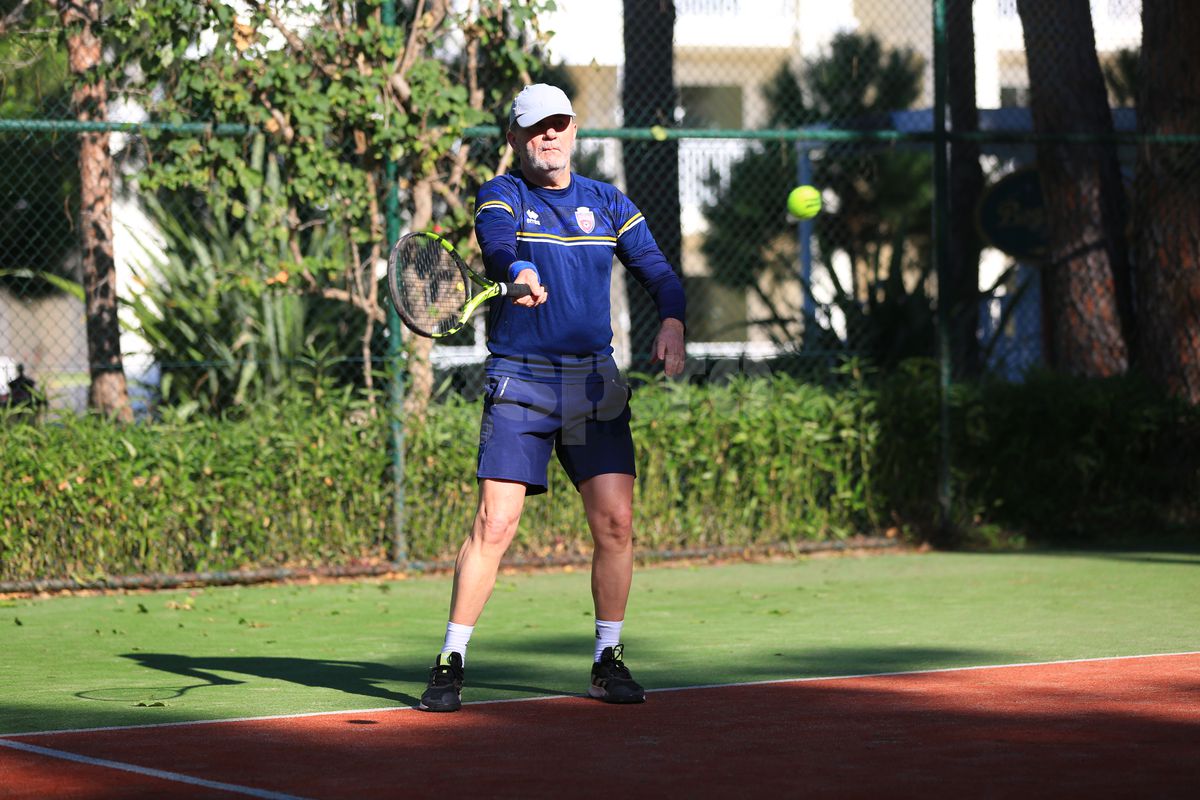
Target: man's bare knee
(493, 530)
(613, 530)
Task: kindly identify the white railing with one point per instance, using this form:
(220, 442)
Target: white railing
(706, 8)
(1102, 10)
(700, 158)
(735, 23)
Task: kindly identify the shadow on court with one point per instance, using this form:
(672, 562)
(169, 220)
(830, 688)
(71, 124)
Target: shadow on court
(512, 668)
(364, 678)
(534, 667)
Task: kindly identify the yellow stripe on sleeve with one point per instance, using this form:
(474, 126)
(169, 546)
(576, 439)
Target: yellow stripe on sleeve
(634, 220)
(495, 204)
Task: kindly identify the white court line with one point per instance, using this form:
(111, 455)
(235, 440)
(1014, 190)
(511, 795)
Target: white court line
(176, 777)
(5, 738)
(927, 671)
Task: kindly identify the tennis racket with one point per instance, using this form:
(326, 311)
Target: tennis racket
(431, 287)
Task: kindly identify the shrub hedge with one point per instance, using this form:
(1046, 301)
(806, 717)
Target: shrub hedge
(751, 460)
(1055, 459)
(84, 497)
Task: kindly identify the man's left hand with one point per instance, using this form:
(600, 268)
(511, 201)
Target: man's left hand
(668, 346)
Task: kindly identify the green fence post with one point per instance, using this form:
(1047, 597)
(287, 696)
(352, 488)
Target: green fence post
(941, 254)
(391, 211)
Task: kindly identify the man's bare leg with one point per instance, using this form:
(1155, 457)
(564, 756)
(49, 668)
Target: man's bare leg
(500, 506)
(608, 501)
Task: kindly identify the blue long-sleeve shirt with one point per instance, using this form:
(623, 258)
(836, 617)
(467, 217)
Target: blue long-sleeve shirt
(571, 236)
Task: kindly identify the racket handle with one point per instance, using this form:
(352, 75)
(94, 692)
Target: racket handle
(515, 290)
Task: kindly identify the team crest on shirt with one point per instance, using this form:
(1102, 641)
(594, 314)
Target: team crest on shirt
(585, 219)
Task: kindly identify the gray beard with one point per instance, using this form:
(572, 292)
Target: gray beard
(540, 164)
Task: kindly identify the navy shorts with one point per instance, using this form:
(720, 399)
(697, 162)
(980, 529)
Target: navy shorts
(585, 424)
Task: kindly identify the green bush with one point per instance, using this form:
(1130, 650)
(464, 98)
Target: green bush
(749, 461)
(753, 461)
(292, 483)
(1056, 459)
(1066, 459)
(306, 482)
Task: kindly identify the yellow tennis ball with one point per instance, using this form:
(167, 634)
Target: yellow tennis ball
(804, 202)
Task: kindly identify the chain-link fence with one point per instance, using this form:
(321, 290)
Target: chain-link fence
(213, 308)
(1002, 190)
(722, 110)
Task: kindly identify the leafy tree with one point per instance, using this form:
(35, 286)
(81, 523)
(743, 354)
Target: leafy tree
(339, 94)
(39, 191)
(880, 217)
(220, 315)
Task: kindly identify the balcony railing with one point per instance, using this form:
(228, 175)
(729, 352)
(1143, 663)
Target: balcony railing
(735, 23)
(707, 8)
(1110, 11)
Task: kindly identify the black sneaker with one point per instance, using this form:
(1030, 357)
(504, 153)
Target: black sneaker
(444, 691)
(611, 681)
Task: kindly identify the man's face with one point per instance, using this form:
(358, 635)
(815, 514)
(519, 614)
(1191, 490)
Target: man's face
(546, 146)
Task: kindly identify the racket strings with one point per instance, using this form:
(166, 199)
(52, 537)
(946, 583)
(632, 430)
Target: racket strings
(432, 287)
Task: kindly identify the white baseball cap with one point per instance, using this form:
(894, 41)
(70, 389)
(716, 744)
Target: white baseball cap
(536, 102)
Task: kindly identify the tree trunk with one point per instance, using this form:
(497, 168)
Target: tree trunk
(651, 168)
(82, 19)
(966, 185)
(420, 348)
(1167, 217)
(1088, 289)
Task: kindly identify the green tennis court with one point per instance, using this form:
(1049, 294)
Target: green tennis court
(303, 653)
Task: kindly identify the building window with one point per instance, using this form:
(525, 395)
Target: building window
(711, 107)
(1014, 96)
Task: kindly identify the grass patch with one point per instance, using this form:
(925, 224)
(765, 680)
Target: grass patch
(229, 652)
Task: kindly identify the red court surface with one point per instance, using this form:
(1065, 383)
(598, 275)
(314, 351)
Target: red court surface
(1127, 727)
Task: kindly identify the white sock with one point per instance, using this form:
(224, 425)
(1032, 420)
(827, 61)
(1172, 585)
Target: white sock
(608, 634)
(457, 637)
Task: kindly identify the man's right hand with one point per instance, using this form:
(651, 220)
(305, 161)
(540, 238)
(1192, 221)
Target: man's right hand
(539, 294)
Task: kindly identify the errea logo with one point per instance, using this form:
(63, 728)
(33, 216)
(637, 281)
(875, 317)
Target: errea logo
(531, 217)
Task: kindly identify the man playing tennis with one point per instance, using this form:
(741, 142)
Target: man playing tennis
(552, 383)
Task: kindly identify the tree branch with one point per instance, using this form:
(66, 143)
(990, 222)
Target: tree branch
(372, 310)
(14, 17)
(447, 192)
(423, 22)
(294, 41)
